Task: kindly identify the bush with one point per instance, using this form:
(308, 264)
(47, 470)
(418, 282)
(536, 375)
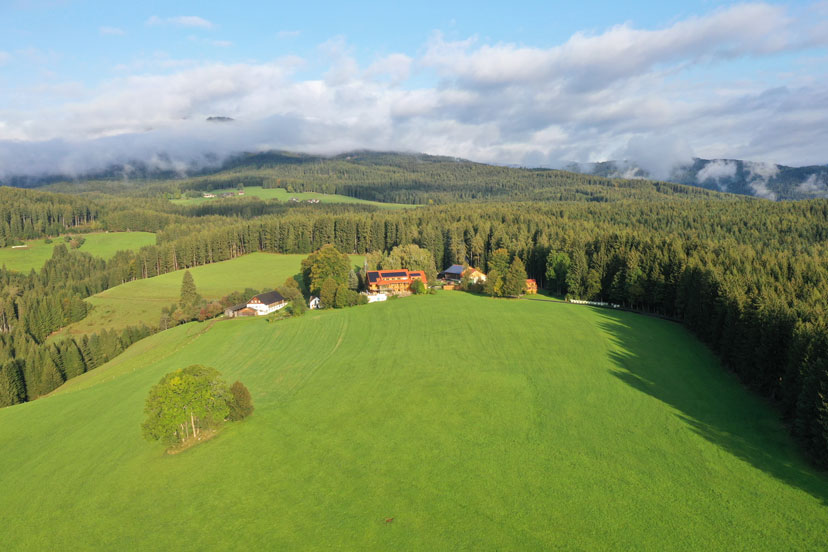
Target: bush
(241, 403)
(297, 308)
(47, 240)
(418, 287)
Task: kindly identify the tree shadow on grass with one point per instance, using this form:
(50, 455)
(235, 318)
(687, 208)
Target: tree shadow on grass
(709, 400)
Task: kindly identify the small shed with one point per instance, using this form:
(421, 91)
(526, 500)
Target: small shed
(232, 312)
(314, 303)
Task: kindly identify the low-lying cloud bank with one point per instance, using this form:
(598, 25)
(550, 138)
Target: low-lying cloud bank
(625, 93)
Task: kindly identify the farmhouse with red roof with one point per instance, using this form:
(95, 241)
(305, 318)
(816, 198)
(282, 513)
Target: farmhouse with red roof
(393, 281)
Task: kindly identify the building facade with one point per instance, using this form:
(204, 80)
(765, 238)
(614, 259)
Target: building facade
(266, 303)
(393, 281)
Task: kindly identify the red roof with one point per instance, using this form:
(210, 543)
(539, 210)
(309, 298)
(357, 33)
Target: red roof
(383, 277)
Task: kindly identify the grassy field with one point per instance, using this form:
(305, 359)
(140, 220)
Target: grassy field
(141, 301)
(476, 424)
(283, 195)
(102, 244)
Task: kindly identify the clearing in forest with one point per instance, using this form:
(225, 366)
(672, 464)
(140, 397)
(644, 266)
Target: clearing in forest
(141, 301)
(99, 244)
(283, 195)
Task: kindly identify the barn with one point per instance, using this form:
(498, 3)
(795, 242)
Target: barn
(266, 303)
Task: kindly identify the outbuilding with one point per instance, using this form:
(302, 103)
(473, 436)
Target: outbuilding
(454, 273)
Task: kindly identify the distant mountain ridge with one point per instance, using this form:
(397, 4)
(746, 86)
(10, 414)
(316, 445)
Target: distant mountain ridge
(751, 178)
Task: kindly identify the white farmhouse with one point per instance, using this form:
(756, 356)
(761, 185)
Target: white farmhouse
(265, 303)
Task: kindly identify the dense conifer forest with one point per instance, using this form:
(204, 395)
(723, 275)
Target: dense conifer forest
(748, 277)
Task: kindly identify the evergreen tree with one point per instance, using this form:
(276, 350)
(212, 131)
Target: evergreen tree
(189, 296)
(327, 293)
(353, 281)
(342, 298)
(12, 389)
(514, 283)
(72, 359)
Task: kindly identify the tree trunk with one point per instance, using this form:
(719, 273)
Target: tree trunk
(192, 421)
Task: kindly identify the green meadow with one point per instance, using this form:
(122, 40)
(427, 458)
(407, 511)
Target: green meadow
(141, 301)
(100, 244)
(476, 424)
(283, 195)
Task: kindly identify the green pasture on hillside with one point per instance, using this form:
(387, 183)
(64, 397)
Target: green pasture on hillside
(476, 424)
(283, 195)
(99, 244)
(141, 301)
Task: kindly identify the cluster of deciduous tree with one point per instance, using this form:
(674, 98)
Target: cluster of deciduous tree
(328, 274)
(190, 401)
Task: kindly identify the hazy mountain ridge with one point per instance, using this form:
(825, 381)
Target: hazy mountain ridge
(750, 178)
(766, 180)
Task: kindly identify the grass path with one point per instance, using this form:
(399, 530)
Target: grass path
(477, 424)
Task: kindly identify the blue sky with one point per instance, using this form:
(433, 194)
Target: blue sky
(88, 82)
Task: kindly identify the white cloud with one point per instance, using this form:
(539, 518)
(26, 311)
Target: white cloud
(716, 171)
(588, 61)
(760, 174)
(657, 154)
(181, 21)
(113, 31)
(624, 93)
(814, 184)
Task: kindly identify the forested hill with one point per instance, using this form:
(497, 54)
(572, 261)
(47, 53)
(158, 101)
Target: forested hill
(766, 180)
(396, 178)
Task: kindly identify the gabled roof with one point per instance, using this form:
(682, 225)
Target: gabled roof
(268, 298)
(454, 269)
(238, 307)
(379, 277)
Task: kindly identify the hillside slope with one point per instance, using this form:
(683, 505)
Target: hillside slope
(141, 301)
(474, 423)
(735, 176)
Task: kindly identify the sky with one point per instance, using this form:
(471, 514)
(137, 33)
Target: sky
(85, 84)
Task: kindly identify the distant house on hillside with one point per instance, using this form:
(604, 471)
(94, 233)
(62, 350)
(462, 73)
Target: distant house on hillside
(209, 195)
(454, 273)
(393, 281)
(531, 286)
(314, 303)
(265, 303)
